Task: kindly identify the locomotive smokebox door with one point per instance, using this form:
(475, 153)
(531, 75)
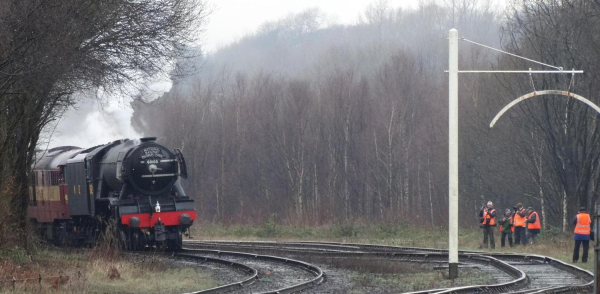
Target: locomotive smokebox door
(152, 169)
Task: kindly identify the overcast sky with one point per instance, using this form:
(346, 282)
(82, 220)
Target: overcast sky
(232, 19)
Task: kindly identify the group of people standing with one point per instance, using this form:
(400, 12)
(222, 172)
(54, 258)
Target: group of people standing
(524, 223)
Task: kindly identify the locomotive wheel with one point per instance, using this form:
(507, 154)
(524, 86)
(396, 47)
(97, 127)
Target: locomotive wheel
(177, 243)
(123, 244)
(129, 241)
(58, 234)
(135, 241)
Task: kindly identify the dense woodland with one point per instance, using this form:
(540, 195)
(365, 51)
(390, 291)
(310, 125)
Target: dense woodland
(310, 122)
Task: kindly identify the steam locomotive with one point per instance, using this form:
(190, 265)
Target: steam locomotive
(126, 189)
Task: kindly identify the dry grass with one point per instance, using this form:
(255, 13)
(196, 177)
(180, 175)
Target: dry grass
(92, 272)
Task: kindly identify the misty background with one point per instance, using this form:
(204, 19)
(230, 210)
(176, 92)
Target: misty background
(309, 119)
(228, 23)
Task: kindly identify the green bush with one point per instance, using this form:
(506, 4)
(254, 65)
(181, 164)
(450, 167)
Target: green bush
(386, 231)
(269, 229)
(344, 230)
(243, 231)
(552, 232)
(17, 254)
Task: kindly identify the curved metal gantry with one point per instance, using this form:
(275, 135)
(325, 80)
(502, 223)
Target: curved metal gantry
(541, 93)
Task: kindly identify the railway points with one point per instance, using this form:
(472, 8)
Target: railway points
(512, 273)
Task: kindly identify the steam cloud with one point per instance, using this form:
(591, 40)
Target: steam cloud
(90, 124)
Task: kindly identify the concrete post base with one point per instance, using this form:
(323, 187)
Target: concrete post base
(453, 273)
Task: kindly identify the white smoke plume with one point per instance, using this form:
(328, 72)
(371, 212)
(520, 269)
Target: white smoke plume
(91, 123)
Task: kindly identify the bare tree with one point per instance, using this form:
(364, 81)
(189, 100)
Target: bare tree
(560, 32)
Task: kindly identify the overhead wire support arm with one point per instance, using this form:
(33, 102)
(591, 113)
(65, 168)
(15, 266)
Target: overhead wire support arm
(558, 70)
(512, 54)
(522, 71)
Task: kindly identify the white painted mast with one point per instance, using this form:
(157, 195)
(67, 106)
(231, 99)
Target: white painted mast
(453, 154)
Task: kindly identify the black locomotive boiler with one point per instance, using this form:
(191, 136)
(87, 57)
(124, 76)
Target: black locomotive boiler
(129, 189)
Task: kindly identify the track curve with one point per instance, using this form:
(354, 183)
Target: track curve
(528, 273)
(252, 272)
(256, 283)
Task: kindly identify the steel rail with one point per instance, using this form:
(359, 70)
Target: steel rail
(228, 287)
(314, 270)
(367, 248)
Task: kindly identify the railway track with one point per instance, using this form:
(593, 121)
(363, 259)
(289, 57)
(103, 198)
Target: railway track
(265, 273)
(223, 266)
(251, 273)
(513, 273)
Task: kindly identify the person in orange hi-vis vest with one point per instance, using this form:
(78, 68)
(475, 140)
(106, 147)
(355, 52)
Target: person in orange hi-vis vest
(488, 221)
(583, 228)
(533, 225)
(520, 223)
(506, 228)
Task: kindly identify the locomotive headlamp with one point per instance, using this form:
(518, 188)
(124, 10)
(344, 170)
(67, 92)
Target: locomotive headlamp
(185, 219)
(134, 222)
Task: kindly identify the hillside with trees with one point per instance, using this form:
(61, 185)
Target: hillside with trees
(306, 121)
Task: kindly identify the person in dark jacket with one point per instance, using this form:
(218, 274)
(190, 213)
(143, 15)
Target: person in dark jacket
(533, 225)
(519, 222)
(506, 228)
(488, 222)
(583, 227)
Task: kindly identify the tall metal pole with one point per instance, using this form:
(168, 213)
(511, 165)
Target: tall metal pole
(453, 155)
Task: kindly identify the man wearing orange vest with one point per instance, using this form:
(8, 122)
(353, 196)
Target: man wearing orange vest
(533, 225)
(519, 223)
(583, 227)
(488, 221)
